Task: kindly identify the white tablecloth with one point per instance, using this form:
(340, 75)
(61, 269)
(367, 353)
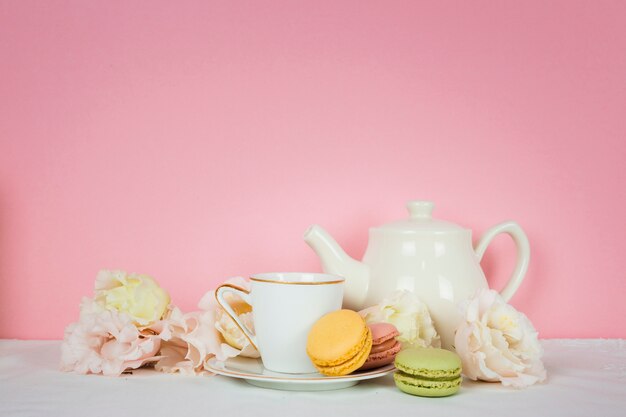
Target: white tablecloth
(585, 378)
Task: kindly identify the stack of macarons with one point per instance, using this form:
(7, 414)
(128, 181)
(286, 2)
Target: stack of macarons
(428, 372)
(341, 342)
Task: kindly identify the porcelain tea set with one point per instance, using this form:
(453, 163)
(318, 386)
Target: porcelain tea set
(432, 258)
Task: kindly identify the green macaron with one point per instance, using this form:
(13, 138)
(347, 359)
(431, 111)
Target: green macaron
(428, 372)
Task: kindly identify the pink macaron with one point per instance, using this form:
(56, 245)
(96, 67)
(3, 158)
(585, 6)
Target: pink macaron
(384, 345)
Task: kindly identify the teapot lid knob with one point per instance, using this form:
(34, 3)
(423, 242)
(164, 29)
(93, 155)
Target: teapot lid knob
(420, 209)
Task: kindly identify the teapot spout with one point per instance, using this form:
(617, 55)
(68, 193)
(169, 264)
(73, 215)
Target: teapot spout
(337, 262)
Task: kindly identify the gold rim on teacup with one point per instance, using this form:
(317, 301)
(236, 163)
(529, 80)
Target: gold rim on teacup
(265, 278)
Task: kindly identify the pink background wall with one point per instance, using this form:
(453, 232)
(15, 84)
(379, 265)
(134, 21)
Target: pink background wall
(198, 141)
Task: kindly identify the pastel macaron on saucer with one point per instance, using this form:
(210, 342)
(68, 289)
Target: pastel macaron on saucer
(428, 372)
(339, 343)
(384, 345)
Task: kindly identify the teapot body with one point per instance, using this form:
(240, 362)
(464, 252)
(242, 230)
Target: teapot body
(442, 269)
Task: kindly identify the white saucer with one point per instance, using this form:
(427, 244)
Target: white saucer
(253, 372)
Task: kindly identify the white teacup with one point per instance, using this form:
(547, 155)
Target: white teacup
(284, 307)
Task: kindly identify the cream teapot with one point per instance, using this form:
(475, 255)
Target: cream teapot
(432, 258)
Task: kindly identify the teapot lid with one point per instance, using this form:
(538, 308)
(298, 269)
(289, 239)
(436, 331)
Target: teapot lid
(420, 220)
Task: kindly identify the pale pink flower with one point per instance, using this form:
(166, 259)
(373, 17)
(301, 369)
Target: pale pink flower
(230, 333)
(190, 339)
(498, 343)
(105, 341)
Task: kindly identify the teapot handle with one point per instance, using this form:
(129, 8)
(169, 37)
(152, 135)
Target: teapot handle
(523, 253)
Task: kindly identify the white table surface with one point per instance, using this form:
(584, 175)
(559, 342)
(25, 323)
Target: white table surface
(585, 378)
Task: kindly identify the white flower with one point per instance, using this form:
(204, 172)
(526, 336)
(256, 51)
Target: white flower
(498, 343)
(409, 314)
(139, 296)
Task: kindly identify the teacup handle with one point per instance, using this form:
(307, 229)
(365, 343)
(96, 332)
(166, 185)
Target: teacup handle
(523, 253)
(243, 293)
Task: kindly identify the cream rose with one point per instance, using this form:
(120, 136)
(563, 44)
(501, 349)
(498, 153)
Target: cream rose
(139, 296)
(498, 343)
(409, 314)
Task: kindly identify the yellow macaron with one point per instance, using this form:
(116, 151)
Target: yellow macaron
(339, 343)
